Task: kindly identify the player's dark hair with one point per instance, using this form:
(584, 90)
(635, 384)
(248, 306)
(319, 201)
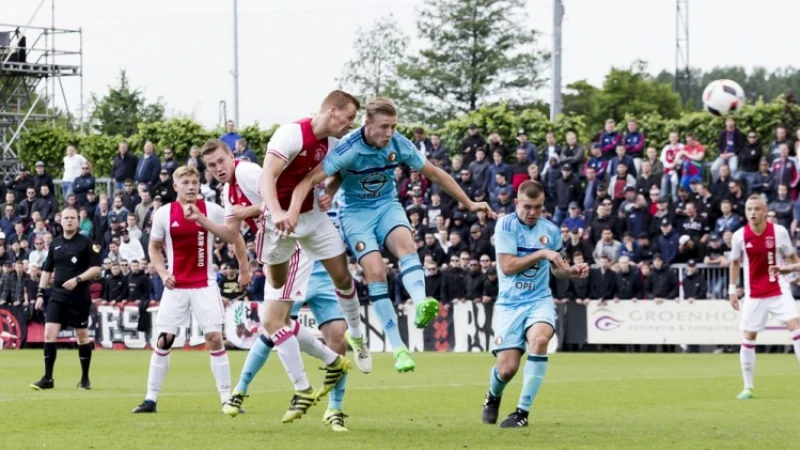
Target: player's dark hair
(340, 99)
(530, 189)
(213, 145)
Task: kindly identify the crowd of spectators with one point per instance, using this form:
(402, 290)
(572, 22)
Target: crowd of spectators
(630, 210)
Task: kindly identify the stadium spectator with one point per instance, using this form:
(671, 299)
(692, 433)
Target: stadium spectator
(20, 184)
(38, 255)
(130, 249)
(602, 281)
(728, 220)
(470, 143)
(780, 138)
(486, 263)
(567, 191)
(784, 170)
(480, 168)
(647, 179)
(782, 207)
(42, 178)
(433, 249)
(572, 153)
(662, 282)
(13, 292)
(628, 281)
(749, 159)
(26, 205)
(439, 150)
(651, 156)
(668, 242)
(597, 162)
(229, 285)
(148, 167)
(519, 170)
(164, 188)
(116, 287)
(691, 160)
(607, 247)
(119, 210)
(230, 137)
(138, 284)
(422, 142)
(622, 158)
(475, 280)
(531, 151)
(550, 147)
(609, 140)
(694, 283)
(83, 183)
(130, 195)
(434, 281)
(737, 197)
(494, 144)
(670, 158)
(157, 284)
(762, 181)
(124, 167)
(454, 286)
(634, 144)
(687, 249)
(255, 290)
(491, 286)
(479, 243)
(72, 169)
(730, 145)
(242, 151)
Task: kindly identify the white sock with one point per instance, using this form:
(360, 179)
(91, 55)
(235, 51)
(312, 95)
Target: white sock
(288, 349)
(221, 368)
(348, 301)
(747, 358)
(796, 343)
(159, 366)
(313, 346)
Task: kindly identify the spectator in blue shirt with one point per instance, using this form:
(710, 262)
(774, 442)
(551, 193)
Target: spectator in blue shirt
(497, 166)
(231, 136)
(622, 158)
(149, 166)
(668, 241)
(634, 144)
(243, 151)
(531, 152)
(731, 142)
(610, 139)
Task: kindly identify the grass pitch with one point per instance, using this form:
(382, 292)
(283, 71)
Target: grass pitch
(586, 401)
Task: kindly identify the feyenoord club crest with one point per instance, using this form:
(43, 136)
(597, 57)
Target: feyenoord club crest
(544, 240)
(360, 246)
(392, 156)
(498, 341)
(770, 242)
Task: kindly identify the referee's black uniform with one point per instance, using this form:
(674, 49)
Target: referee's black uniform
(67, 259)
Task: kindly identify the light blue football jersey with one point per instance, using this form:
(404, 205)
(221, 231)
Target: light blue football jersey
(515, 238)
(368, 172)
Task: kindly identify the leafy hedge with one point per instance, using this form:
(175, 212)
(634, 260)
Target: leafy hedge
(49, 143)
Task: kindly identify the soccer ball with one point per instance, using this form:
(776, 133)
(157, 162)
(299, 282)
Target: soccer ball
(723, 97)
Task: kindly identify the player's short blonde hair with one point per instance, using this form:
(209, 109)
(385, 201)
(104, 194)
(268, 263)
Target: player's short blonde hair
(380, 105)
(340, 99)
(213, 145)
(184, 171)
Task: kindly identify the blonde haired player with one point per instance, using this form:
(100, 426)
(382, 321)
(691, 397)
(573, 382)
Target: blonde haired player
(762, 248)
(185, 229)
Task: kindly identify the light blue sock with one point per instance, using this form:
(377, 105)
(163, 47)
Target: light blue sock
(413, 277)
(496, 385)
(337, 394)
(535, 368)
(379, 294)
(256, 358)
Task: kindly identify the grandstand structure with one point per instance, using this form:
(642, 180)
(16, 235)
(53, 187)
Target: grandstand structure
(33, 62)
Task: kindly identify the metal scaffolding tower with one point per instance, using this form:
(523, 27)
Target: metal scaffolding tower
(29, 61)
(683, 76)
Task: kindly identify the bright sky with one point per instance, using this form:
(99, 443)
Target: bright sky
(291, 52)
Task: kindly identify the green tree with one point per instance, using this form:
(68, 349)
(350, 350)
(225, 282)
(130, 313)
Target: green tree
(478, 51)
(379, 51)
(122, 110)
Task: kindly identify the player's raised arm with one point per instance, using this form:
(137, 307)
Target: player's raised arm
(449, 185)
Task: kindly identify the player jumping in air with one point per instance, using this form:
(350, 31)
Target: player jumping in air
(371, 216)
(293, 151)
(243, 204)
(528, 249)
(185, 229)
(762, 248)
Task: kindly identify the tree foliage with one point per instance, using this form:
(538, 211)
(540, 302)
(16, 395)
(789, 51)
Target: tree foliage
(122, 109)
(476, 52)
(379, 51)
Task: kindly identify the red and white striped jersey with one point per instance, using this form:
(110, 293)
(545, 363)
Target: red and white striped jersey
(243, 190)
(188, 245)
(299, 147)
(758, 252)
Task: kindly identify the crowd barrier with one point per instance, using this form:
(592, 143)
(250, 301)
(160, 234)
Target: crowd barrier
(464, 327)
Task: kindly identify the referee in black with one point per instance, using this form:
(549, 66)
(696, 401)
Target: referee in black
(74, 261)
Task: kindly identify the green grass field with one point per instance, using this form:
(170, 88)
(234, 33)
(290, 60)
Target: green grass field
(586, 401)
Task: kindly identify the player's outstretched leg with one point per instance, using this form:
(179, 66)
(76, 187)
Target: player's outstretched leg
(414, 281)
(336, 366)
(85, 356)
(256, 358)
(537, 337)
(491, 404)
(159, 366)
(333, 332)
(383, 307)
(747, 359)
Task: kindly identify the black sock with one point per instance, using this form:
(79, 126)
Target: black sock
(49, 359)
(85, 355)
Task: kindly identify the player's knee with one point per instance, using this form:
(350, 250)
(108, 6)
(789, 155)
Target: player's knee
(165, 341)
(374, 273)
(507, 371)
(751, 335)
(333, 333)
(539, 343)
(214, 341)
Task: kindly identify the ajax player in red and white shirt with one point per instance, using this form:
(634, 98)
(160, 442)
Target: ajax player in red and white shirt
(185, 230)
(293, 151)
(243, 204)
(762, 248)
